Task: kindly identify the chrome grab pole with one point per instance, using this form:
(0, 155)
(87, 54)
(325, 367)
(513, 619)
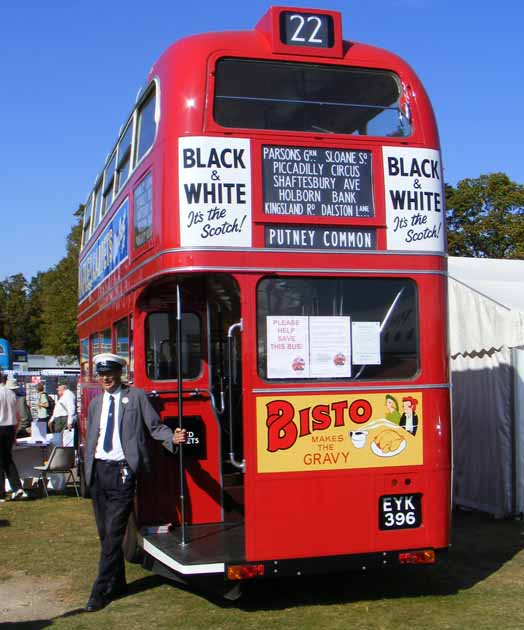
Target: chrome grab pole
(240, 465)
(180, 414)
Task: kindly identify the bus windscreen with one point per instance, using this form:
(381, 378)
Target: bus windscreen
(285, 96)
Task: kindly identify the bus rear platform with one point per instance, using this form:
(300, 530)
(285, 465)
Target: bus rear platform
(201, 560)
(213, 558)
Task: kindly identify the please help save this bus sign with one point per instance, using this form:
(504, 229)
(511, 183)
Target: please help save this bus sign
(415, 203)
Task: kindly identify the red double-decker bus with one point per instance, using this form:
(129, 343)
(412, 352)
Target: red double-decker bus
(266, 247)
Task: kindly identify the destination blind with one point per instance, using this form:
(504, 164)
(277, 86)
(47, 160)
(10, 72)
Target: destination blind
(301, 181)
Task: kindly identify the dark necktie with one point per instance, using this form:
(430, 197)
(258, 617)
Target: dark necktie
(110, 426)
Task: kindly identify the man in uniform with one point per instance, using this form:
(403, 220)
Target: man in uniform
(115, 451)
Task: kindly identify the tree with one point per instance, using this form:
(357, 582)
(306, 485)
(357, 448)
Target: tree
(41, 316)
(486, 217)
(35, 313)
(3, 306)
(59, 293)
(15, 310)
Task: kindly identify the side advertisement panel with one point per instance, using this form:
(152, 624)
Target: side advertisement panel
(106, 254)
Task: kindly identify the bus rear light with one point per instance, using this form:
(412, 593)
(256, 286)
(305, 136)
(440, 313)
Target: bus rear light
(424, 556)
(244, 571)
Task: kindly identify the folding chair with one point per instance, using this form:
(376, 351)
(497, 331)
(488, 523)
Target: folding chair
(61, 460)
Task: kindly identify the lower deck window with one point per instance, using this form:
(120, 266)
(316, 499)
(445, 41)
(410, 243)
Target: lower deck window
(84, 360)
(122, 344)
(329, 328)
(161, 346)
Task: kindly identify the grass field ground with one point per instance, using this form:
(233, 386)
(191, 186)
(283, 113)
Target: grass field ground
(49, 550)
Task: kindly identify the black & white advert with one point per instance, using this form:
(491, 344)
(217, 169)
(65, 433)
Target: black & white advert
(415, 202)
(214, 181)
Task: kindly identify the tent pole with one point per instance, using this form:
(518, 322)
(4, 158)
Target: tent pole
(517, 362)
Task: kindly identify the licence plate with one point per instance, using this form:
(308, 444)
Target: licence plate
(400, 511)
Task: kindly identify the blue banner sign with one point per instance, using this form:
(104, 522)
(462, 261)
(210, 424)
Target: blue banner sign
(106, 254)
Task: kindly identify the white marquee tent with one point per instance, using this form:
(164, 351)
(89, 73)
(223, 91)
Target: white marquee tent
(486, 331)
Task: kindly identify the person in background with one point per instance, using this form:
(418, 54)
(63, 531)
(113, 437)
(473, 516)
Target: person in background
(115, 451)
(44, 414)
(64, 414)
(24, 412)
(9, 421)
(68, 400)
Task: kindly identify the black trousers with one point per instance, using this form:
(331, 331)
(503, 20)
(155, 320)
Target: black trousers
(112, 490)
(7, 465)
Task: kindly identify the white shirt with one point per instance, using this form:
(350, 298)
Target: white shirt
(66, 406)
(117, 452)
(8, 408)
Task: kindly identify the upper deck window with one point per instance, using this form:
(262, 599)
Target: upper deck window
(98, 204)
(88, 220)
(109, 177)
(146, 125)
(317, 98)
(134, 142)
(124, 157)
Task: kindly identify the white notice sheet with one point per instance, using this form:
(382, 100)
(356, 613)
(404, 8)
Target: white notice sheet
(329, 347)
(287, 347)
(366, 343)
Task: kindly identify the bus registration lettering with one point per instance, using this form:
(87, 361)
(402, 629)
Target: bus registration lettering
(402, 511)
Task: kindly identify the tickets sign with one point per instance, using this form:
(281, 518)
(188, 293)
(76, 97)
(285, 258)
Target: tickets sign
(330, 432)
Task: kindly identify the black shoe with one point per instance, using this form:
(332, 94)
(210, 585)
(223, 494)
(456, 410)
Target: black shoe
(96, 602)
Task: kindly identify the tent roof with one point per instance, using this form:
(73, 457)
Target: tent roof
(486, 304)
(499, 280)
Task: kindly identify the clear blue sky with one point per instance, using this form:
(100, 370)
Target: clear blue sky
(71, 70)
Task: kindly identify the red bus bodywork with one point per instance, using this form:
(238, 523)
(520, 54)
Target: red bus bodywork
(317, 513)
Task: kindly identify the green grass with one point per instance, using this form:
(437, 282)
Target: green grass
(480, 587)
